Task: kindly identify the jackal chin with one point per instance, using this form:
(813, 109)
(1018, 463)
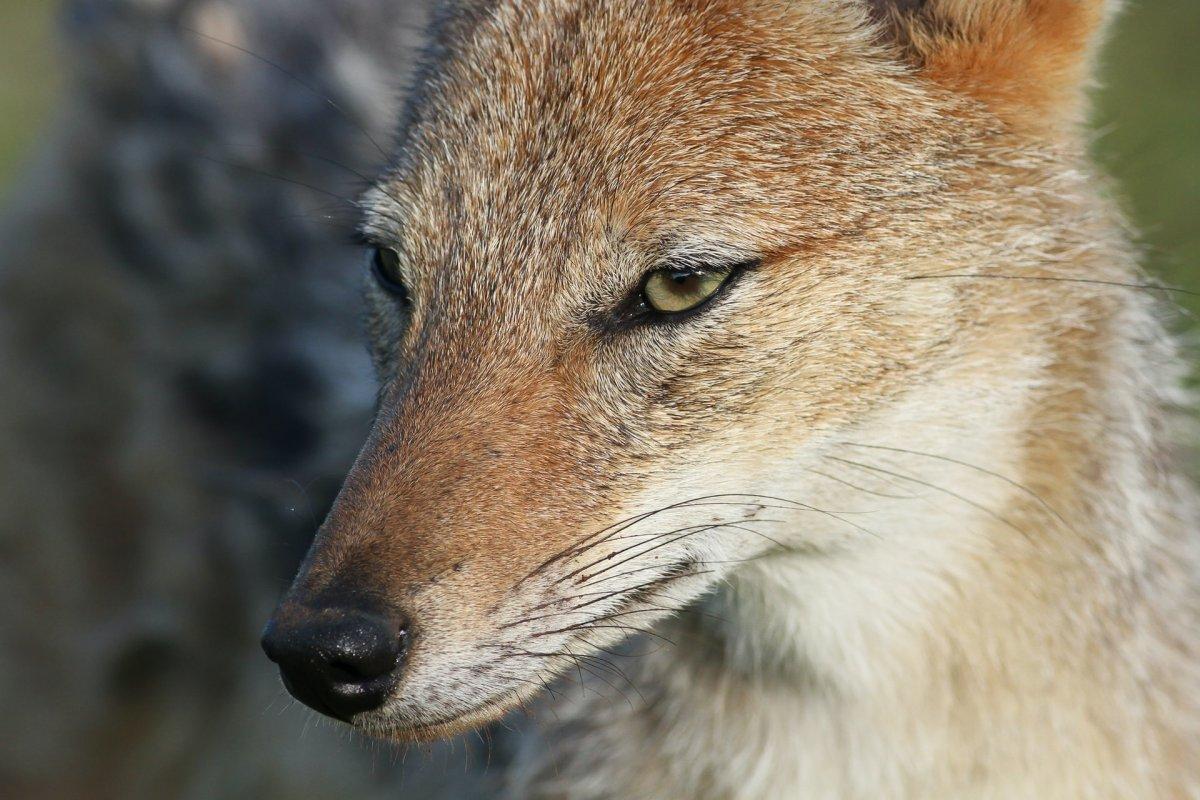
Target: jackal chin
(417, 731)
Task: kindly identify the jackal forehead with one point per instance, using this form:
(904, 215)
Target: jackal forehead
(546, 126)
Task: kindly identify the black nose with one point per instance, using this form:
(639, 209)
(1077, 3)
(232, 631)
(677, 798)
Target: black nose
(340, 662)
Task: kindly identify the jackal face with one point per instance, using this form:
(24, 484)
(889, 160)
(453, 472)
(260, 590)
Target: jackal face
(637, 262)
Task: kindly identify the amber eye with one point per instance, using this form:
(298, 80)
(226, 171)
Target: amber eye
(385, 263)
(670, 291)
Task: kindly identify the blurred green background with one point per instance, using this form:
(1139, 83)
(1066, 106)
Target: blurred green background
(1148, 120)
(29, 79)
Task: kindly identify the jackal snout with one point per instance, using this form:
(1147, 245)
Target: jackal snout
(451, 502)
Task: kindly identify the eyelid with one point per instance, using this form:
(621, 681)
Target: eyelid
(634, 311)
(695, 267)
(700, 253)
(689, 269)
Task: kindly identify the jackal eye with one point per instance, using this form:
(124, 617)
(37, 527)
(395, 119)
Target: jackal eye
(674, 290)
(385, 263)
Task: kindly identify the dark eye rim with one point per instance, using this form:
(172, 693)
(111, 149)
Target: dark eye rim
(380, 272)
(638, 310)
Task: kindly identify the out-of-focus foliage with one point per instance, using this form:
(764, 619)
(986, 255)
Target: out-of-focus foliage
(1148, 125)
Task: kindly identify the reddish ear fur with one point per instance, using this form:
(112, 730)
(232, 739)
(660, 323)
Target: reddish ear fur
(1030, 60)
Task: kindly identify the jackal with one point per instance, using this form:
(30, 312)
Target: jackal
(799, 334)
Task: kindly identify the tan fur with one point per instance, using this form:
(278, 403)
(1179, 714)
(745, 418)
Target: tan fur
(1027, 59)
(912, 478)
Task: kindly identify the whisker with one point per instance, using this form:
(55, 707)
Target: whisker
(299, 82)
(649, 586)
(684, 533)
(607, 578)
(367, 180)
(273, 176)
(1053, 279)
(754, 500)
(620, 526)
(649, 538)
(1015, 484)
(885, 479)
(856, 487)
(626, 628)
(948, 492)
(656, 534)
(747, 560)
(604, 595)
(621, 675)
(597, 662)
(613, 555)
(632, 611)
(617, 654)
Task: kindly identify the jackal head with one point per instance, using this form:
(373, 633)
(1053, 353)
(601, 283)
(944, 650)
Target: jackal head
(637, 267)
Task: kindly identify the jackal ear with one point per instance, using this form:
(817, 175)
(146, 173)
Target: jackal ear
(1031, 60)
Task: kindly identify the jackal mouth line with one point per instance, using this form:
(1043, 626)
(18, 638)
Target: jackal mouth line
(550, 666)
(448, 725)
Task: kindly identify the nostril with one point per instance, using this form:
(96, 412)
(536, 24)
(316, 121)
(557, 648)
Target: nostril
(337, 661)
(344, 671)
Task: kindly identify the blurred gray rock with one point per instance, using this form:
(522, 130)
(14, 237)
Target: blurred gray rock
(183, 386)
